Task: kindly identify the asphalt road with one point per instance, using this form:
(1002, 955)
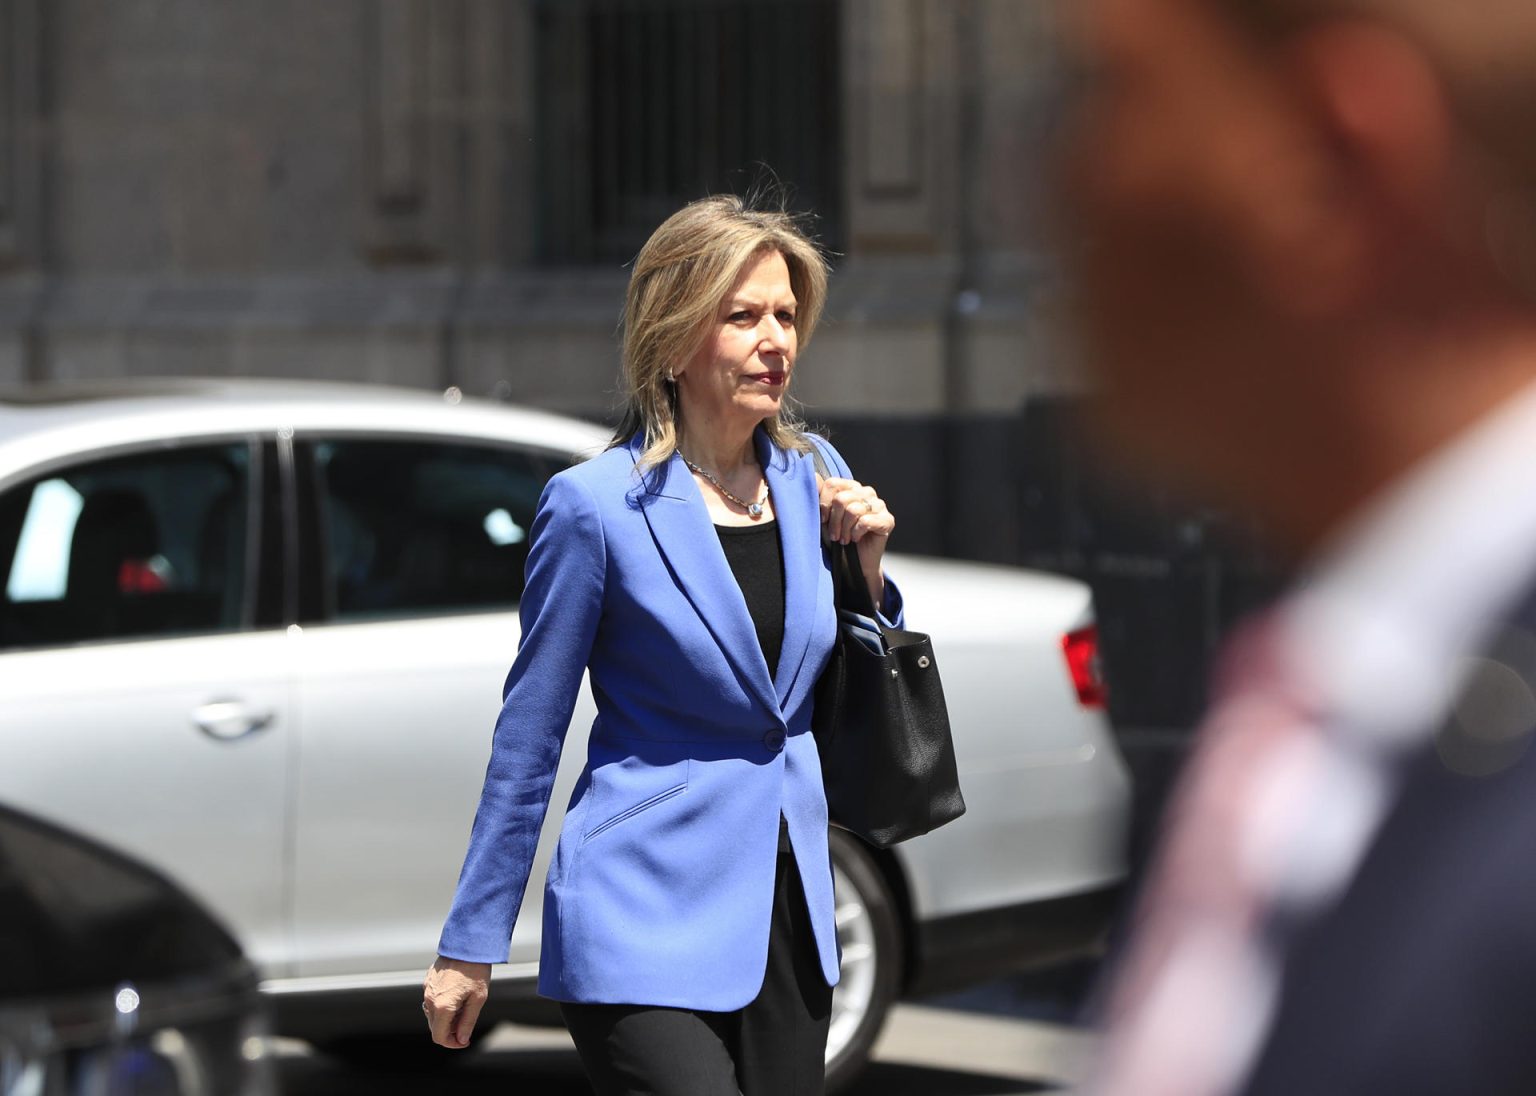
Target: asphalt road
(1007, 1039)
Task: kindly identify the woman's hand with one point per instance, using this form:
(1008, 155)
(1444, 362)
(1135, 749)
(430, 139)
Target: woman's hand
(452, 996)
(852, 513)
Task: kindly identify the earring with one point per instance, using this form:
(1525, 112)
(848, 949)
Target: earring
(670, 378)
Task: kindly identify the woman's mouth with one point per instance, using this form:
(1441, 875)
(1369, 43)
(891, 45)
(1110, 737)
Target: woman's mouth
(772, 379)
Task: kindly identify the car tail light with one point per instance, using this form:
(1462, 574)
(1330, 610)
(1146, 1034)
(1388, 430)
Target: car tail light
(1082, 650)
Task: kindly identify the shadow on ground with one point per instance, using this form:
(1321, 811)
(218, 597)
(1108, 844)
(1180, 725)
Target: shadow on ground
(900, 1079)
(1057, 994)
(535, 1072)
(558, 1073)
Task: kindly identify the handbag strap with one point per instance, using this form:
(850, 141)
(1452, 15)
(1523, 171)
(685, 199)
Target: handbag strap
(849, 590)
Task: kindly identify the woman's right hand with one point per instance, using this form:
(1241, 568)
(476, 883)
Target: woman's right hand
(452, 996)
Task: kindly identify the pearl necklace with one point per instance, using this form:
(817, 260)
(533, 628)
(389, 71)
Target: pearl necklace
(754, 509)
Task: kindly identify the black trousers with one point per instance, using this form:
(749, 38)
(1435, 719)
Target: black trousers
(774, 1047)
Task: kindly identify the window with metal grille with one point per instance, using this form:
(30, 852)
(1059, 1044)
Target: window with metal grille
(647, 104)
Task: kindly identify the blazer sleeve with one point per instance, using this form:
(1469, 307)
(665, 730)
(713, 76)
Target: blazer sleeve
(891, 610)
(560, 608)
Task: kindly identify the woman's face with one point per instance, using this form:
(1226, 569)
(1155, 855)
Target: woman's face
(740, 374)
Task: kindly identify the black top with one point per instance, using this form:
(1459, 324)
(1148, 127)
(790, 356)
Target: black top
(757, 561)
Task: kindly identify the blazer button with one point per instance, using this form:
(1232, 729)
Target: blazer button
(774, 740)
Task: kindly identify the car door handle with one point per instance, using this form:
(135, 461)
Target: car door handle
(228, 720)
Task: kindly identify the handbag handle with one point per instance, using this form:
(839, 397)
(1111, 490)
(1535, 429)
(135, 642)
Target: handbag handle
(849, 590)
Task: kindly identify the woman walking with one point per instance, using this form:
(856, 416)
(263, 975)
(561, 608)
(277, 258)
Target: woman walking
(688, 913)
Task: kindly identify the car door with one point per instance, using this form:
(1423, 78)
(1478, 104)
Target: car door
(420, 546)
(145, 705)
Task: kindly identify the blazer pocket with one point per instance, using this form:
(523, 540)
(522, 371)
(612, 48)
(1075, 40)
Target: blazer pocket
(627, 788)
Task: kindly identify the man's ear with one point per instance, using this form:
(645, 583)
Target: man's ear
(1385, 161)
(1379, 98)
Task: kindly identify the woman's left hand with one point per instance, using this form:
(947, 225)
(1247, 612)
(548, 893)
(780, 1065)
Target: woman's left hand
(853, 513)
(452, 995)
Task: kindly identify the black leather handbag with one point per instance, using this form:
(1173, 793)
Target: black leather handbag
(881, 725)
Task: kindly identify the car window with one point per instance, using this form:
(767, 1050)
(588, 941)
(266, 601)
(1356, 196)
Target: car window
(151, 544)
(414, 528)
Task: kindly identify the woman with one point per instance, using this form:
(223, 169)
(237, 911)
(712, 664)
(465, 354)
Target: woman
(688, 918)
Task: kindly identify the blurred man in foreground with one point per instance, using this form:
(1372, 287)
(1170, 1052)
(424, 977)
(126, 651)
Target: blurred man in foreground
(1309, 270)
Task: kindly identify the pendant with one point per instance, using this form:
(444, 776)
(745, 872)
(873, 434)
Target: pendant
(755, 509)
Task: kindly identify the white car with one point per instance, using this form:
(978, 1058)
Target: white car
(254, 633)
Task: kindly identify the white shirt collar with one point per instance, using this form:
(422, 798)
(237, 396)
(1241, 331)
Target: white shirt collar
(1380, 627)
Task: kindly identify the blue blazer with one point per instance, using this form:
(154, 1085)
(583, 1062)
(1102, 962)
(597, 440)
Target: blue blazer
(661, 887)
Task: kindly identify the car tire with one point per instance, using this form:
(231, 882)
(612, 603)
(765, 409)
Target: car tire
(869, 933)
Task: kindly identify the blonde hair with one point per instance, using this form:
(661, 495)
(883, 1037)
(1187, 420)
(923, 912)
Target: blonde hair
(681, 275)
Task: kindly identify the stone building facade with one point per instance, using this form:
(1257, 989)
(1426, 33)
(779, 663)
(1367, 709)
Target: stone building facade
(362, 188)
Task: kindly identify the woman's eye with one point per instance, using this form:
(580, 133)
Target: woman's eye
(787, 318)
(739, 316)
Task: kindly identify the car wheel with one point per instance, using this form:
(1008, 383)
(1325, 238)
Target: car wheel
(869, 933)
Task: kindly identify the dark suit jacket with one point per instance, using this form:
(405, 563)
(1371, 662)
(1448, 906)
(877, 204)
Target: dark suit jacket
(1421, 978)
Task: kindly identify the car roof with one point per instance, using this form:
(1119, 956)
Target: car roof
(41, 421)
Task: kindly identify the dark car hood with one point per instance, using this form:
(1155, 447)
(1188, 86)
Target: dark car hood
(75, 915)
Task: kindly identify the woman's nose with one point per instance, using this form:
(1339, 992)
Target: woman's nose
(774, 335)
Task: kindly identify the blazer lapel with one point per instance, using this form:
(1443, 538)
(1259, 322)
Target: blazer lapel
(680, 524)
(792, 480)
